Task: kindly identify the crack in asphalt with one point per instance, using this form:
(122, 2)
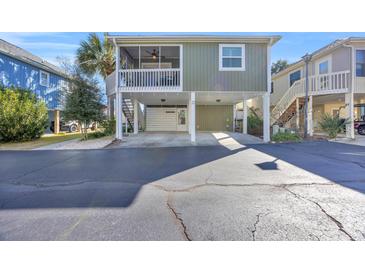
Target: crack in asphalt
(40, 185)
(178, 218)
(188, 189)
(254, 230)
(315, 236)
(333, 219)
(38, 169)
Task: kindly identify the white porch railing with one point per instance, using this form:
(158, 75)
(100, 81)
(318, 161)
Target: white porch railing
(150, 79)
(330, 83)
(335, 82)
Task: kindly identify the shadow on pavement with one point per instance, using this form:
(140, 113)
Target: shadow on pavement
(94, 178)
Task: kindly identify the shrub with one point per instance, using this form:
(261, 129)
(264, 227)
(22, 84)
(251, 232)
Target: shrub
(96, 135)
(332, 125)
(22, 116)
(285, 136)
(254, 123)
(109, 127)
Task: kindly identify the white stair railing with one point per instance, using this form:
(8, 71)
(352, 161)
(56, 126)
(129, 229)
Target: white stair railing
(296, 90)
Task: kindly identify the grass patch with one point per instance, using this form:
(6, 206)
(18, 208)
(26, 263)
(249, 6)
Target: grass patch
(43, 141)
(286, 137)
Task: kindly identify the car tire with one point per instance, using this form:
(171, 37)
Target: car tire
(73, 128)
(361, 130)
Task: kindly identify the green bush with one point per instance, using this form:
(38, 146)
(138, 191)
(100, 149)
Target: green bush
(254, 123)
(22, 116)
(96, 135)
(109, 127)
(332, 125)
(285, 136)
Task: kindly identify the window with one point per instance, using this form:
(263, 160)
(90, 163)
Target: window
(293, 77)
(360, 63)
(323, 67)
(231, 57)
(44, 79)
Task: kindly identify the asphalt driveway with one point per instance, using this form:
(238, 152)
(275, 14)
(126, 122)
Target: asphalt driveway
(308, 191)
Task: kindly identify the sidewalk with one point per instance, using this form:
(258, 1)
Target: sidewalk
(78, 144)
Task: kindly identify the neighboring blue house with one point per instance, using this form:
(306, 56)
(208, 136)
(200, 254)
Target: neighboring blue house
(19, 68)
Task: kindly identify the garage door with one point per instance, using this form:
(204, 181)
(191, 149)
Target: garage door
(161, 119)
(214, 118)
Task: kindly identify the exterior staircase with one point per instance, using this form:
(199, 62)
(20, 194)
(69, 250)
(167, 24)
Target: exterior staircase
(290, 112)
(285, 109)
(128, 111)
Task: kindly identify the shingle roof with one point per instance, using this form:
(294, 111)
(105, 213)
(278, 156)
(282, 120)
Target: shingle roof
(25, 56)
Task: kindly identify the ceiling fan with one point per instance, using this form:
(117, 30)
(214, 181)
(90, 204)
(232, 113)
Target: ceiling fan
(154, 53)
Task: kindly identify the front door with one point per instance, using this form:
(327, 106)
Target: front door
(182, 119)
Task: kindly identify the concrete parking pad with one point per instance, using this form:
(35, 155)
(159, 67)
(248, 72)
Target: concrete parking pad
(231, 140)
(305, 191)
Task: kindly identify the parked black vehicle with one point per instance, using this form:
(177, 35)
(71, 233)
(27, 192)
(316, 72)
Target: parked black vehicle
(360, 127)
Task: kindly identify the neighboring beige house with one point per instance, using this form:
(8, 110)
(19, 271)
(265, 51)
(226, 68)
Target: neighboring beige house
(336, 84)
(188, 83)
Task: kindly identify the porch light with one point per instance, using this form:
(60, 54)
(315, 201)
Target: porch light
(218, 100)
(163, 100)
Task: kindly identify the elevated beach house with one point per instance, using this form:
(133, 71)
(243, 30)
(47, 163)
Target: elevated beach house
(188, 83)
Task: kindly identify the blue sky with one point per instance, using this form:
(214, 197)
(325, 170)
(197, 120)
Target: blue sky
(51, 45)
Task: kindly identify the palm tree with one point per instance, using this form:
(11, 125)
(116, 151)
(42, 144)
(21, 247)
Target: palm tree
(96, 56)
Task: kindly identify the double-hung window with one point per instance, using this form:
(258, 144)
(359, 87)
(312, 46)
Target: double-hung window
(231, 57)
(360, 63)
(44, 78)
(294, 76)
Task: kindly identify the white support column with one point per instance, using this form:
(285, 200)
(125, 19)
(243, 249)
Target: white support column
(118, 97)
(244, 117)
(189, 116)
(349, 100)
(266, 97)
(266, 116)
(234, 118)
(118, 116)
(135, 116)
(310, 116)
(192, 117)
(125, 123)
(297, 120)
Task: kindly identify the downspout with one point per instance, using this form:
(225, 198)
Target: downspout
(353, 83)
(306, 58)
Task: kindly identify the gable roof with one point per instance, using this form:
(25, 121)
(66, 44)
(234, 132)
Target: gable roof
(319, 52)
(27, 57)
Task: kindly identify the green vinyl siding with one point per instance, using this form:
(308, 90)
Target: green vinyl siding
(201, 69)
(214, 118)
